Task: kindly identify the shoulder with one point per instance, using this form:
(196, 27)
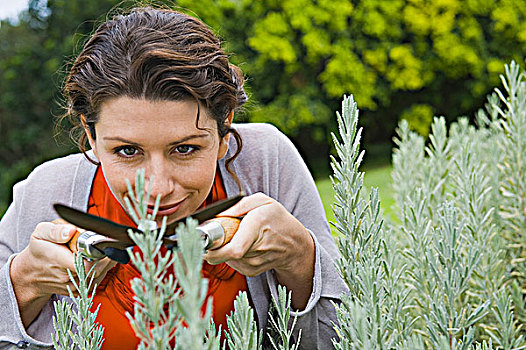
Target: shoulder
(257, 134)
(253, 129)
(65, 179)
(56, 169)
(262, 141)
(266, 156)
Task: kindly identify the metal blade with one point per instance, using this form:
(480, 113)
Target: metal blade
(206, 213)
(95, 223)
(118, 255)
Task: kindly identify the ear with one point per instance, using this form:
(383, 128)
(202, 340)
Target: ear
(223, 143)
(91, 140)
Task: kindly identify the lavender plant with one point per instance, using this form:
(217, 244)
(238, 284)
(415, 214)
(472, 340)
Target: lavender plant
(168, 308)
(198, 334)
(373, 314)
(163, 301)
(512, 172)
(505, 332)
(242, 328)
(280, 322)
(443, 279)
(74, 323)
(155, 292)
(458, 230)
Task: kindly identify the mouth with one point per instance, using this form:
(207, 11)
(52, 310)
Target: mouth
(165, 210)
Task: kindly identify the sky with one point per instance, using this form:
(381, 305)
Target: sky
(11, 8)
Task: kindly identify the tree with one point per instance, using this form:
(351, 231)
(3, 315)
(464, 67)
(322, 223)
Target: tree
(34, 52)
(302, 55)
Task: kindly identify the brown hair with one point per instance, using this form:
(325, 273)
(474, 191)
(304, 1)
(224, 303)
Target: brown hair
(155, 54)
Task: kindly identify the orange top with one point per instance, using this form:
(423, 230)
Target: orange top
(114, 293)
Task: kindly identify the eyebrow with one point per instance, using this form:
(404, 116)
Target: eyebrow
(184, 139)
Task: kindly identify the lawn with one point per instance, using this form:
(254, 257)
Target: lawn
(378, 176)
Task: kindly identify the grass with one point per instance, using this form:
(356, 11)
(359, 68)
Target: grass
(377, 176)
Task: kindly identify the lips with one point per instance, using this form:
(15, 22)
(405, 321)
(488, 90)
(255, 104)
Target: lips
(165, 210)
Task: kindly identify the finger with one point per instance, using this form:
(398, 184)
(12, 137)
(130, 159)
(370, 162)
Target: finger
(100, 273)
(246, 235)
(60, 221)
(247, 204)
(56, 233)
(95, 271)
(90, 266)
(72, 288)
(46, 241)
(248, 270)
(100, 277)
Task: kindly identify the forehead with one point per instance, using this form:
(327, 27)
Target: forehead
(124, 112)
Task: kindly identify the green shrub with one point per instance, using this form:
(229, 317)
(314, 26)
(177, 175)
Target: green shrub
(448, 272)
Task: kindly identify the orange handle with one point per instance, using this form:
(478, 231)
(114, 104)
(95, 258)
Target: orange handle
(230, 226)
(72, 244)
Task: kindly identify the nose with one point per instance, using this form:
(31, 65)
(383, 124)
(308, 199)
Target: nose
(159, 174)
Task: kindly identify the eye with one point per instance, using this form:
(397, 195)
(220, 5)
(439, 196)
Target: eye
(126, 151)
(185, 149)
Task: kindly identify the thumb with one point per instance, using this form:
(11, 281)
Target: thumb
(54, 232)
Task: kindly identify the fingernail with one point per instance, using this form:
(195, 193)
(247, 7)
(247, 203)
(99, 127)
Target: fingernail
(65, 231)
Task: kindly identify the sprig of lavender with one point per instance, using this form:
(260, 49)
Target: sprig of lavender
(242, 331)
(74, 323)
(373, 315)
(154, 318)
(281, 323)
(167, 311)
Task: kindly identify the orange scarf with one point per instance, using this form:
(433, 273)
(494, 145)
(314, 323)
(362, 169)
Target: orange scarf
(114, 293)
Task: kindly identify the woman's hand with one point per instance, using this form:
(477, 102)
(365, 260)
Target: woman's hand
(40, 270)
(269, 237)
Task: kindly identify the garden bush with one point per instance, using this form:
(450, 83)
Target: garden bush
(448, 272)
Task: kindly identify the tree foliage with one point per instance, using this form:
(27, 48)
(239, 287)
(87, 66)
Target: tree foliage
(408, 59)
(34, 53)
(302, 55)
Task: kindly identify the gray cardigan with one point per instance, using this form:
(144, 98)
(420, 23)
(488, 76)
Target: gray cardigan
(268, 163)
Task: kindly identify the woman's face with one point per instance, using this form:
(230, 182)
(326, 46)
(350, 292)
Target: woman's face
(162, 138)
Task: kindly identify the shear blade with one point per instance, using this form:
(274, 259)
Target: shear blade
(118, 255)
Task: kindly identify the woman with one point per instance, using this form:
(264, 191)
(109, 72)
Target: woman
(154, 90)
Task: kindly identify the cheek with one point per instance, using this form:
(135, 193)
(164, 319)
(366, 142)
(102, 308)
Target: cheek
(116, 180)
(198, 176)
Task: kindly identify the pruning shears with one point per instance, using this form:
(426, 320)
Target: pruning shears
(97, 237)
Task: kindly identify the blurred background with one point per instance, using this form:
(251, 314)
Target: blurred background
(401, 59)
